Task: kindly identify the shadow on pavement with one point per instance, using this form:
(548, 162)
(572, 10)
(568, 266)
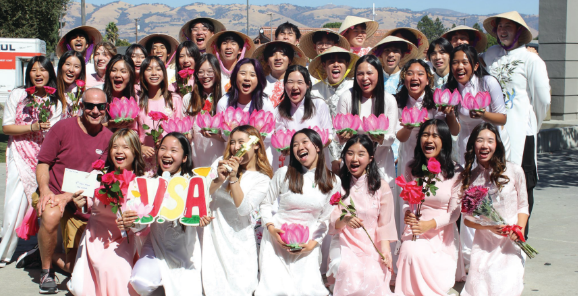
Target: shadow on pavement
(554, 169)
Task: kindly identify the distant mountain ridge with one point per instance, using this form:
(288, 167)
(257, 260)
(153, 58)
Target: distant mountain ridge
(161, 18)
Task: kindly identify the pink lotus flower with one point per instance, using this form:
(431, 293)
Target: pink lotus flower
(446, 97)
(210, 123)
(137, 206)
(123, 109)
(179, 125)
(481, 101)
(281, 139)
(376, 125)
(413, 116)
(346, 122)
(324, 133)
(263, 121)
(294, 234)
(233, 118)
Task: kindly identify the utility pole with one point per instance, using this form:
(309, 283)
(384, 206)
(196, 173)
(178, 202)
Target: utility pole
(247, 17)
(136, 27)
(83, 13)
(270, 24)
(464, 19)
(373, 13)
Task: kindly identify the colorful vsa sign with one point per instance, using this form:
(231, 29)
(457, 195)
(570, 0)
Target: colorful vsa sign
(176, 198)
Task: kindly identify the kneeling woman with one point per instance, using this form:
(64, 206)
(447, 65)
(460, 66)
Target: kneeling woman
(171, 256)
(105, 259)
(304, 189)
(229, 241)
(427, 266)
(497, 263)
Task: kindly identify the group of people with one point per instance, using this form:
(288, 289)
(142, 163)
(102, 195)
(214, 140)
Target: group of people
(60, 120)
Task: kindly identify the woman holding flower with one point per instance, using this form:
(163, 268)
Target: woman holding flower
(70, 82)
(187, 57)
(26, 130)
(229, 241)
(428, 256)
(303, 189)
(204, 99)
(357, 267)
(156, 103)
(497, 263)
(119, 82)
(105, 259)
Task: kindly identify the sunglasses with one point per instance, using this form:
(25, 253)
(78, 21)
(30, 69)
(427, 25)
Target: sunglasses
(90, 106)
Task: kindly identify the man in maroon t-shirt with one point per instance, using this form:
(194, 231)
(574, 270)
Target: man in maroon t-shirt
(73, 143)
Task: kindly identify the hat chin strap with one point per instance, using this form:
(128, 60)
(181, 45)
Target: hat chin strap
(516, 38)
(340, 80)
(241, 56)
(88, 52)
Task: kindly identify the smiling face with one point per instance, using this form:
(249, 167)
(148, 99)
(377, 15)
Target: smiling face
(305, 151)
(462, 68)
(335, 68)
(119, 76)
(122, 155)
(236, 140)
(200, 35)
(229, 52)
(356, 36)
(357, 159)
(296, 87)
(278, 63)
(485, 146)
(367, 77)
(506, 31)
(153, 74)
(71, 70)
(78, 43)
(186, 61)
(416, 80)
(101, 59)
(430, 142)
(171, 155)
(247, 79)
(459, 38)
(390, 58)
(160, 50)
(206, 75)
(92, 99)
(323, 44)
(137, 57)
(440, 59)
(38, 75)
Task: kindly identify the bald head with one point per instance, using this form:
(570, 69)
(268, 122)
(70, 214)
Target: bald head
(94, 95)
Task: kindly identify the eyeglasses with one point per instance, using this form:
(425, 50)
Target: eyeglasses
(90, 106)
(202, 73)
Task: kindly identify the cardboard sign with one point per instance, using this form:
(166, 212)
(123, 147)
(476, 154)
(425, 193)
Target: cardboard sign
(74, 180)
(173, 198)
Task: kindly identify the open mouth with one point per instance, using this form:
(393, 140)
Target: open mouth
(70, 76)
(484, 154)
(391, 61)
(439, 64)
(277, 64)
(366, 85)
(153, 80)
(136, 68)
(295, 94)
(303, 155)
(166, 163)
(354, 167)
(460, 74)
(200, 41)
(414, 85)
(78, 46)
(228, 53)
(428, 149)
(119, 159)
(117, 83)
(335, 73)
(39, 81)
(101, 63)
(245, 87)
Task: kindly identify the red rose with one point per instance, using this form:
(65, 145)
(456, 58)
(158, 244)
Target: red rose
(50, 90)
(156, 116)
(191, 71)
(208, 106)
(31, 90)
(412, 193)
(102, 197)
(433, 165)
(335, 198)
(98, 165)
(80, 84)
(108, 178)
(184, 73)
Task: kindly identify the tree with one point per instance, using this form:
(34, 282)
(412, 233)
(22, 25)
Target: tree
(111, 33)
(453, 26)
(122, 42)
(332, 25)
(32, 19)
(432, 30)
(478, 27)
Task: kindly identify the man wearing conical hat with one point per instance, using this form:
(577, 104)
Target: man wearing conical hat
(163, 46)
(393, 53)
(357, 30)
(525, 83)
(200, 30)
(467, 35)
(81, 39)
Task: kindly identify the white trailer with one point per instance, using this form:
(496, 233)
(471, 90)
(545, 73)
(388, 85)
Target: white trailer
(15, 53)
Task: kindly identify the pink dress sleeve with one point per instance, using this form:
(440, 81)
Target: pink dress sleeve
(386, 229)
(454, 208)
(520, 185)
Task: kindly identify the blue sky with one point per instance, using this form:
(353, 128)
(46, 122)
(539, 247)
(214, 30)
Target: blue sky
(467, 6)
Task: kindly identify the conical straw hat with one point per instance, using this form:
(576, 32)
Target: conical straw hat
(299, 59)
(94, 37)
(481, 39)
(171, 40)
(306, 42)
(351, 21)
(412, 54)
(490, 24)
(316, 67)
(248, 42)
(422, 42)
(185, 33)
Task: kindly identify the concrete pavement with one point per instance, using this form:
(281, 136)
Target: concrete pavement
(552, 232)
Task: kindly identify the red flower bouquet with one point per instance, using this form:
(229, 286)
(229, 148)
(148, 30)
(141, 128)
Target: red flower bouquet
(42, 107)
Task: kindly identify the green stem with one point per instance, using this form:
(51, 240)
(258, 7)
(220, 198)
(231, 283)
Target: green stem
(355, 216)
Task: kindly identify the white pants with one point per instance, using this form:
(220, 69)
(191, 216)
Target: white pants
(15, 207)
(467, 241)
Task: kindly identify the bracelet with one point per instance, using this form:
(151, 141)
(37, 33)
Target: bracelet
(234, 181)
(270, 224)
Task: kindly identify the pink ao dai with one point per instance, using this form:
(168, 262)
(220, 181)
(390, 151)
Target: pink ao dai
(360, 270)
(427, 266)
(497, 263)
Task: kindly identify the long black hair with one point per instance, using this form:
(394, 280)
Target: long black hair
(378, 91)
(403, 94)
(258, 95)
(198, 96)
(285, 105)
(192, 51)
(445, 156)
(472, 56)
(143, 102)
(324, 178)
(128, 63)
(59, 76)
(46, 64)
(187, 165)
(373, 175)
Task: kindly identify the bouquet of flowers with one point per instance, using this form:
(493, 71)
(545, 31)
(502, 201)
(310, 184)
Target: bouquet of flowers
(336, 200)
(113, 187)
(157, 130)
(281, 141)
(413, 116)
(233, 118)
(294, 234)
(42, 107)
(263, 121)
(478, 204)
(478, 103)
(123, 109)
(346, 123)
(446, 97)
(185, 88)
(80, 84)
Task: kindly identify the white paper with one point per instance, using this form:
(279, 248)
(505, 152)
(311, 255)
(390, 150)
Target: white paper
(77, 180)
